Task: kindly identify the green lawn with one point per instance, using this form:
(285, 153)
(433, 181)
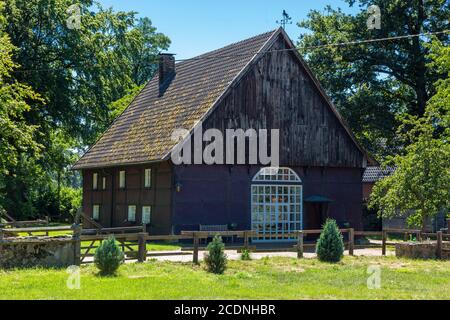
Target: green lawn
(270, 278)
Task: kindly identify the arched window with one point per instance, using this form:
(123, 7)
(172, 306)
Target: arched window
(276, 204)
(271, 174)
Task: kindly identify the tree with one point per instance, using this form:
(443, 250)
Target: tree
(215, 258)
(330, 246)
(108, 256)
(372, 83)
(117, 107)
(420, 185)
(16, 136)
(79, 72)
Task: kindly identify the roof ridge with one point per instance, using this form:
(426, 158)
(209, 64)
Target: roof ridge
(229, 46)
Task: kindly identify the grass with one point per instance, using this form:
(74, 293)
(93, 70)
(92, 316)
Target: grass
(269, 278)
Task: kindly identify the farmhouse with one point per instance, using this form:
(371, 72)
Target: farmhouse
(260, 83)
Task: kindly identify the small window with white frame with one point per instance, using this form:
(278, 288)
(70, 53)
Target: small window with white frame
(95, 181)
(122, 181)
(148, 178)
(104, 183)
(132, 213)
(146, 214)
(96, 212)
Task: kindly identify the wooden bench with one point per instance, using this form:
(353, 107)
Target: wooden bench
(212, 228)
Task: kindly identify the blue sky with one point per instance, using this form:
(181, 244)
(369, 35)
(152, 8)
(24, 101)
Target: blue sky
(198, 26)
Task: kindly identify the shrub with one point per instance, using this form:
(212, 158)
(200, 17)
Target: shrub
(215, 258)
(245, 255)
(330, 246)
(108, 256)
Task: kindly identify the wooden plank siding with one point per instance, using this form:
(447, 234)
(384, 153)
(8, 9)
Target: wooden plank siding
(277, 93)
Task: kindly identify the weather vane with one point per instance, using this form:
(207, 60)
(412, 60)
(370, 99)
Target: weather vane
(286, 20)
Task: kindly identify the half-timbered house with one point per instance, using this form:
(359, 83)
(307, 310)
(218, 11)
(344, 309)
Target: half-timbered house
(259, 83)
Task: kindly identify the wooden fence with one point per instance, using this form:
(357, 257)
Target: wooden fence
(133, 240)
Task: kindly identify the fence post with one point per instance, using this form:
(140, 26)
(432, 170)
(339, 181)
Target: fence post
(383, 242)
(245, 240)
(419, 236)
(351, 241)
(195, 253)
(1, 234)
(47, 221)
(76, 237)
(439, 245)
(142, 247)
(299, 244)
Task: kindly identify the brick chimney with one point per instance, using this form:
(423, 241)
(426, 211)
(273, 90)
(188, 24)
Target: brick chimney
(166, 67)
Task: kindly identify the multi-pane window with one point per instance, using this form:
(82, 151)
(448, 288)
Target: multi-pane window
(122, 179)
(95, 181)
(276, 174)
(132, 213)
(146, 214)
(104, 183)
(96, 212)
(276, 204)
(148, 178)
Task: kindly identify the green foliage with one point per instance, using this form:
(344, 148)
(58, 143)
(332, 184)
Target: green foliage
(420, 185)
(117, 107)
(245, 255)
(108, 256)
(372, 83)
(16, 136)
(215, 258)
(330, 246)
(79, 73)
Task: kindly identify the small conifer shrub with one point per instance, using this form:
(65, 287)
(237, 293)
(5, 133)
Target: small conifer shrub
(245, 254)
(330, 246)
(108, 256)
(215, 258)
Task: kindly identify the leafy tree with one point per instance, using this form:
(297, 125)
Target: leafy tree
(330, 246)
(372, 83)
(117, 107)
(79, 73)
(420, 185)
(16, 136)
(215, 258)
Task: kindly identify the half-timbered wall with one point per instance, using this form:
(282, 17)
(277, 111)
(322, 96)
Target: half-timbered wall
(114, 201)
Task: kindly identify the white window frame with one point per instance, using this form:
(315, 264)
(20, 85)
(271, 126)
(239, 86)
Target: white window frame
(276, 204)
(144, 208)
(95, 181)
(96, 212)
(122, 179)
(148, 178)
(131, 213)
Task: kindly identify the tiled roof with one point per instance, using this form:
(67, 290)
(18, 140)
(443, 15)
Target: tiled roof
(143, 132)
(373, 174)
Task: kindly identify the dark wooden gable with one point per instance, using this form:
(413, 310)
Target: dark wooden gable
(278, 92)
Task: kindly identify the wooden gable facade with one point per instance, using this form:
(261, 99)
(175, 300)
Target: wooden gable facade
(271, 89)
